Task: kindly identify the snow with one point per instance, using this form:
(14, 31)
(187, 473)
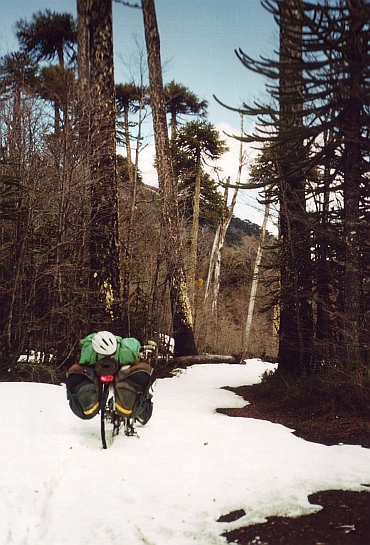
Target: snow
(190, 466)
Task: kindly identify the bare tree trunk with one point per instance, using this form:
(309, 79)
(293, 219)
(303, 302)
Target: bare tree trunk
(181, 310)
(133, 168)
(126, 121)
(214, 269)
(83, 62)
(126, 248)
(184, 361)
(354, 53)
(194, 232)
(84, 151)
(257, 264)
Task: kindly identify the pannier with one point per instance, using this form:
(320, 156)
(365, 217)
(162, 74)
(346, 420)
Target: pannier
(82, 391)
(133, 396)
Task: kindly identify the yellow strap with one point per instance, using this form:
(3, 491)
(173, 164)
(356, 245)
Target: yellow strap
(90, 411)
(122, 410)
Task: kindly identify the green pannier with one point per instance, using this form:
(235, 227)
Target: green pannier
(127, 351)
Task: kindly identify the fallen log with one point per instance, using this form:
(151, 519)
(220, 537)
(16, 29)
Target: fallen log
(183, 361)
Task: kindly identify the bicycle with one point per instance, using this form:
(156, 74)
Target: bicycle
(111, 421)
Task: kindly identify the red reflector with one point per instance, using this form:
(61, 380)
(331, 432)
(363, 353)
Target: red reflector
(107, 378)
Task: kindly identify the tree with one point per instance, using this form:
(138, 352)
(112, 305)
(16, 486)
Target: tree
(56, 85)
(323, 90)
(33, 297)
(17, 72)
(355, 55)
(18, 75)
(130, 99)
(257, 264)
(49, 35)
(200, 141)
(338, 85)
(181, 310)
(296, 327)
(181, 101)
(214, 270)
(98, 111)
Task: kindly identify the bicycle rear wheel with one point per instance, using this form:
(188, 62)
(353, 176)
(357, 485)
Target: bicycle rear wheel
(107, 416)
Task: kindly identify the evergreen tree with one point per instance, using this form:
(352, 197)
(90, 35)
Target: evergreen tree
(49, 35)
(199, 141)
(320, 125)
(98, 138)
(181, 101)
(181, 310)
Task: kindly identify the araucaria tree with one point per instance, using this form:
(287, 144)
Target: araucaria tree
(49, 36)
(181, 101)
(296, 333)
(319, 136)
(198, 141)
(181, 310)
(98, 138)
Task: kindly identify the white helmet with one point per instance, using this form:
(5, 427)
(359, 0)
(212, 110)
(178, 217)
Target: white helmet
(104, 342)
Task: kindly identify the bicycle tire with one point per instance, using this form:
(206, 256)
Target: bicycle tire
(107, 416)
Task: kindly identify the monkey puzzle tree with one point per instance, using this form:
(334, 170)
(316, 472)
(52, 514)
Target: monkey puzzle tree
(296, 327)
(97, 111)
(181, 310)
(200, 142)
(49, 36)
(320, 125)
(181, 101)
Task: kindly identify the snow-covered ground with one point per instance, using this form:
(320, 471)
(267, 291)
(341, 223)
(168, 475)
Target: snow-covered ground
(190, 466)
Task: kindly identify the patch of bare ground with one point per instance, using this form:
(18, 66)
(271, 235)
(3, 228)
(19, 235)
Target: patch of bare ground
(345, 517)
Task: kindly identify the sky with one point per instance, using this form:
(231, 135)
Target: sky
(190, 466)
(198, 43)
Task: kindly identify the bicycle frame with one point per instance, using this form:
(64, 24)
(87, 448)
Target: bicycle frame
(110, 421)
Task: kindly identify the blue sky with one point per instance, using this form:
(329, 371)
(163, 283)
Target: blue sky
(198, 42)
(198, 39)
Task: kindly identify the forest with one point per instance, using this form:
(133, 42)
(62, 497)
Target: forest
(86, 244)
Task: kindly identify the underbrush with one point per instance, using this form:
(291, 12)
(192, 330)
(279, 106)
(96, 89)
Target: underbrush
(12, 371)
(328, 391)
(51, 373)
